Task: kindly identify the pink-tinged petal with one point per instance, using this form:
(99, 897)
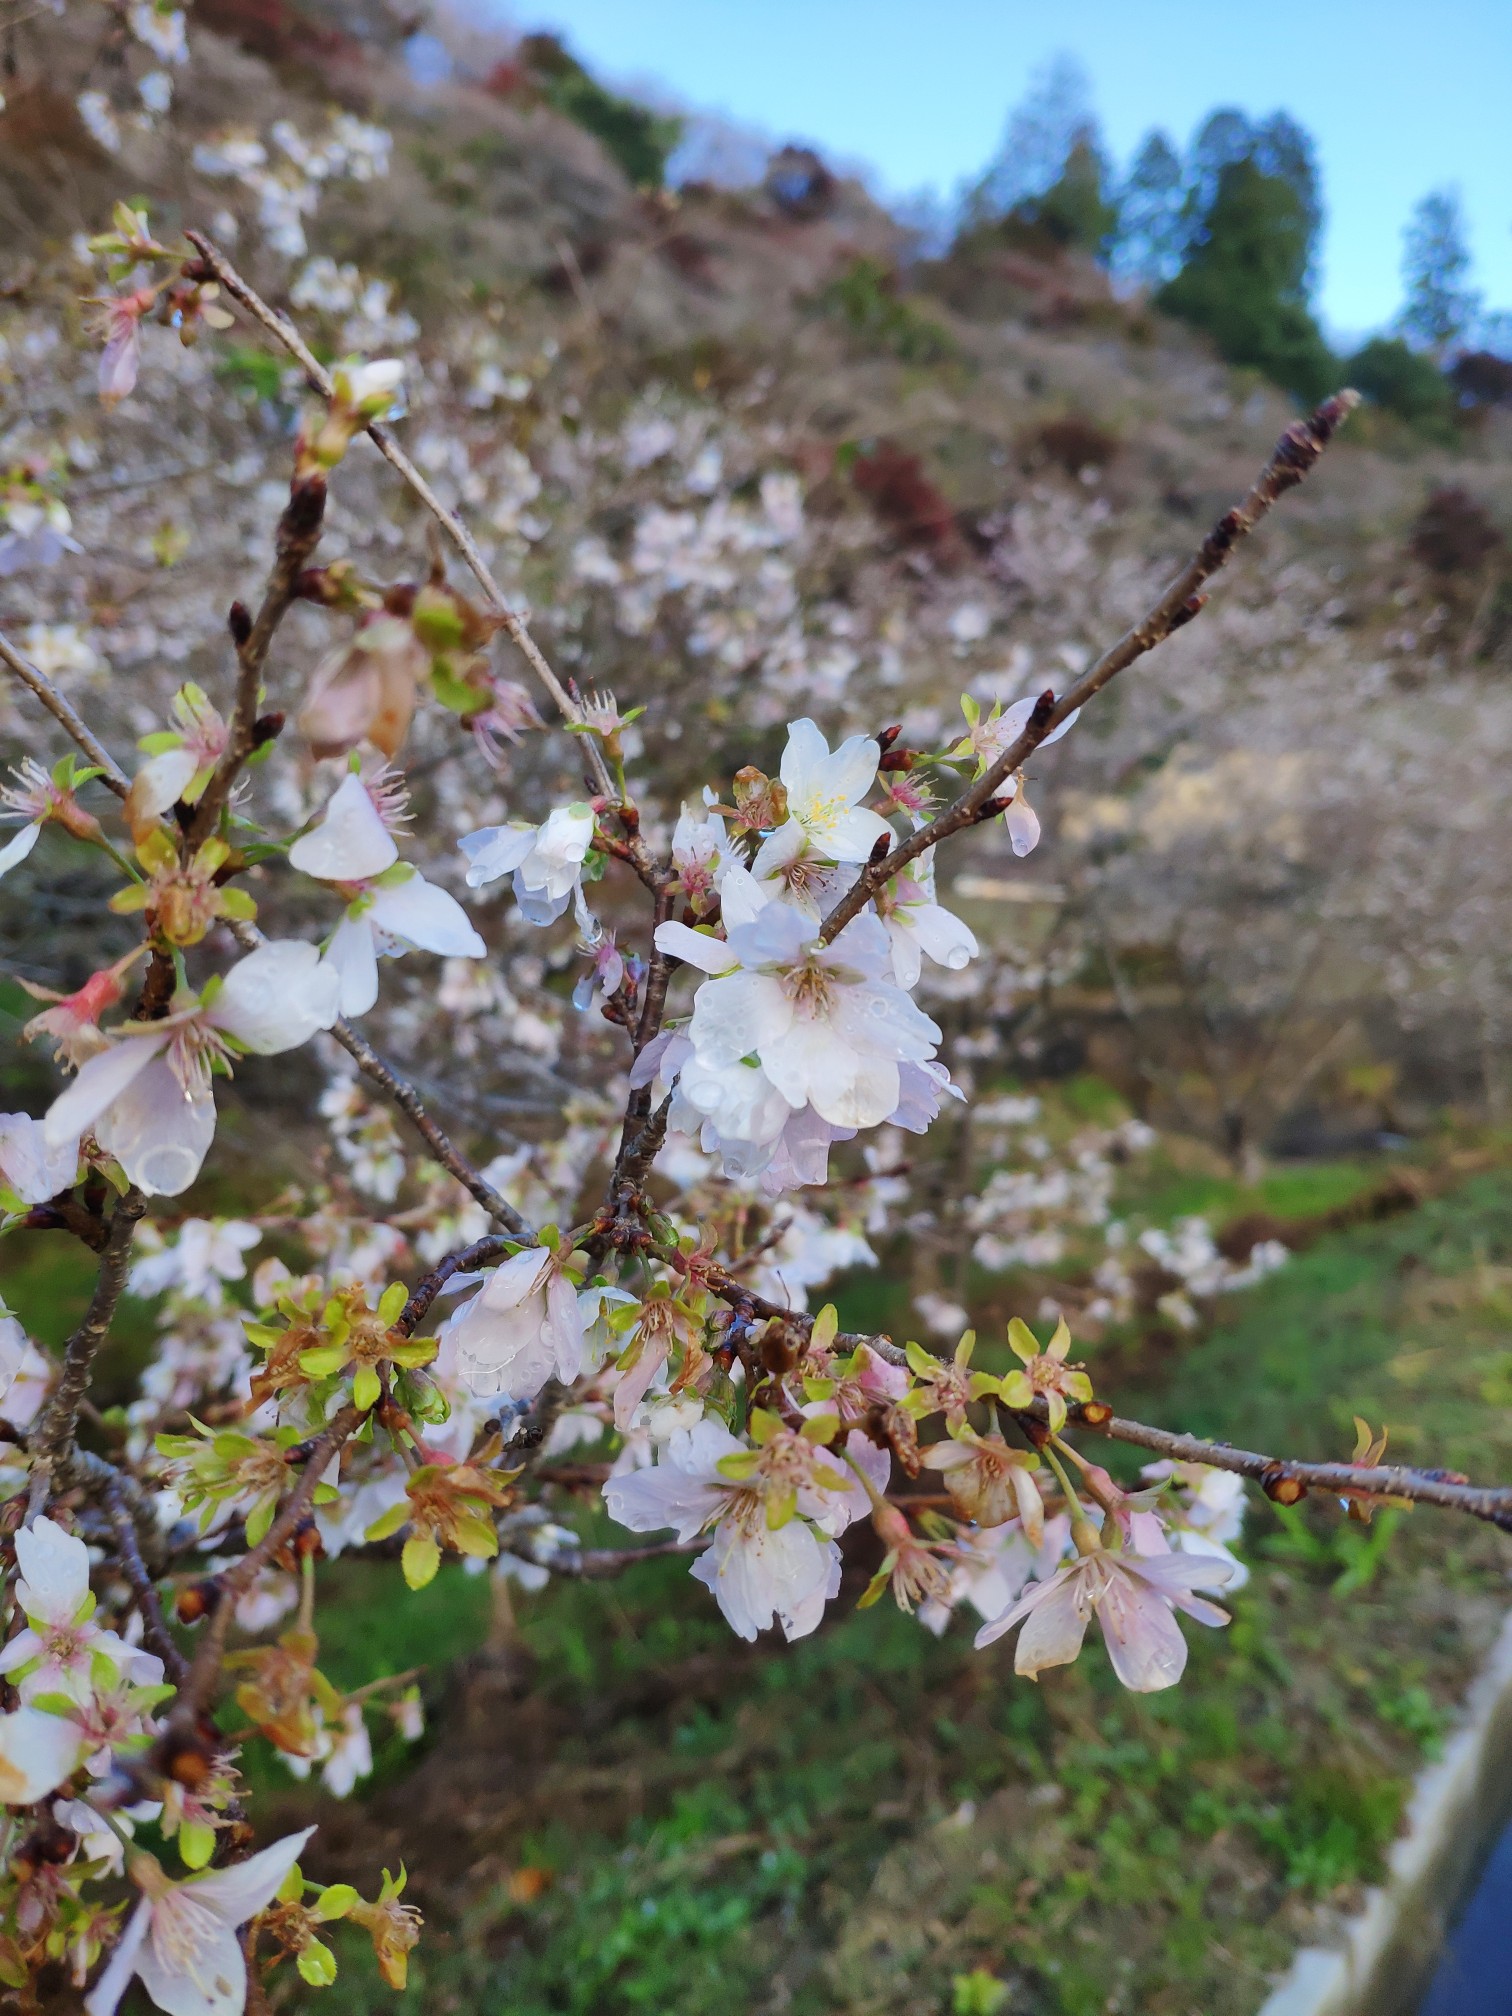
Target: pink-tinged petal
(351, 843)
(1174, 1574)
(694, 948)
(119, 362)
(17, 1651)
(241, 1890)
(1143, 1638)
(876, 1375)
(101, 1080)
(999, 1627)
(158, 1134)
(104, 1998)
(635, 1381)
(1023, 826)
(1057, 1623)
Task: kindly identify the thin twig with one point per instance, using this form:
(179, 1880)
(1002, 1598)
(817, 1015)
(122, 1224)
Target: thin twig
(1295, 454)
(298, 535)
(61, 711)
(1491, 1502)
(128, 1552)
(440, 1147)
(429, 1286)
(512, 623)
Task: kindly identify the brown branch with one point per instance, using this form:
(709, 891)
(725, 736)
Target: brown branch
(437, 1143)
(129, 1554)
(510, 621)
(298, 535)
(1491, 1502)
(1295, 454)
(429, 1286)
(53, 1444)
(39, 684)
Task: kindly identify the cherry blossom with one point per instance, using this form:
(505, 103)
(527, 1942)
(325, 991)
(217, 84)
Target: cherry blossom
(32, 1166)
(523, 1327)
(827, 1025)
(774, 1513)
(148, 1095)
(824, 792)
(38, 1752)
(391, 908)
(1134, 1597)
(181, 1942)
(546, 861)
(59, 1636)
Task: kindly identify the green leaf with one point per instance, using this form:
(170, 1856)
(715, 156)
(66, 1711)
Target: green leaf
(389, 1522)
(196, 1843)
(367, 1388)
(391, 1302)
(317, 1965)
(322, 1360)
(333, 1902)
(422, 1557)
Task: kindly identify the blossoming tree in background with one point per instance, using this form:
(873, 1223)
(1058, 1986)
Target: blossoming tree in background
(771, 938)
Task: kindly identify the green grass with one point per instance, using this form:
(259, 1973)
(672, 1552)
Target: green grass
(856, 1823)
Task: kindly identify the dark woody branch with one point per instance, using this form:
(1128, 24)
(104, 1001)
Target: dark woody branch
(1295, 455)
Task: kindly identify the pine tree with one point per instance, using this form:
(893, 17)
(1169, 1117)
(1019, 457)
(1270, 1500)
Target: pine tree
(1245, 279)
(1441, 305)
(1151, 236)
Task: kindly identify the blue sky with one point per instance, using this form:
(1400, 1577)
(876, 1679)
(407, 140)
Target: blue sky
(1401, 96)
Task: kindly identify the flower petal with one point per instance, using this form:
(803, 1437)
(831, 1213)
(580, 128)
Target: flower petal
(101, 1080)
(351, 841)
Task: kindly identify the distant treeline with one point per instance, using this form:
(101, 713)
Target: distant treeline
(1225, 236)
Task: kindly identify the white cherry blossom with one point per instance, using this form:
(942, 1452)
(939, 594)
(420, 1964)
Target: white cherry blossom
(31, 1165)
(1134, 1598)
(148, 1095)
(391, 909)
(546, 861)
(59, 1635)
(181, 1942)
(825, 789)
(523, 1327)
(825, 1022)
